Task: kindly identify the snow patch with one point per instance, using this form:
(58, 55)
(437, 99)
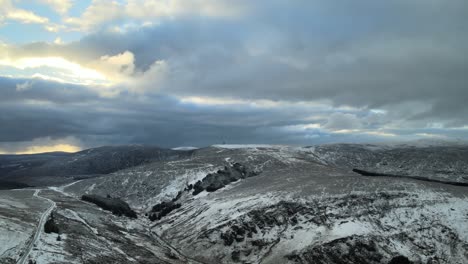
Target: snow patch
(74, 215)
(184, 148)
(245, 146)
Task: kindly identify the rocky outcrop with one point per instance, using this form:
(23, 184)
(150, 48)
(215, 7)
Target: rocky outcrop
(259, 234)
(283, 213)
(215, 181)
(115, 205)
(211, 183)
(347, 250)
(162, 209)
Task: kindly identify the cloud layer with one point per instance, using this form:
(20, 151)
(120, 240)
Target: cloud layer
(204, 72)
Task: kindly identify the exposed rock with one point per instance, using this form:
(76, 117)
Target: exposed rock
(115, 205)
(162, 209)
(261, 219)
(215, 181)
(400, 260)
(347, 250)
(211, 183)
(235, 255)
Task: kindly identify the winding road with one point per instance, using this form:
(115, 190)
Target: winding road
(40, 227)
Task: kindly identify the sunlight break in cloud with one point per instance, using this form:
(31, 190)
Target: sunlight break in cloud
(69, 71)
(52, 148)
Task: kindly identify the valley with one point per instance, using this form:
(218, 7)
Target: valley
(255, 204)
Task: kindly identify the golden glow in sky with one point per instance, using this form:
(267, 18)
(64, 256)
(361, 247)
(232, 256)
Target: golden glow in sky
(51, 148)
(64, 70)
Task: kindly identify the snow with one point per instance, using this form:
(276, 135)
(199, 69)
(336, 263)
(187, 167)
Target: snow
(49, 250)
(91, 188)
(382, 217)
(10, 203)
(123, 253)
(349, 228)
(184, 148)
(179, 182)
(40, 225)
(61, 189)
(245, 146)
(299, 239)
(74, 215)
(13, 237)
(125, 182)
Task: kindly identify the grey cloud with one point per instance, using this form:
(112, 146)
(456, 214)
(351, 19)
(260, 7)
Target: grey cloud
(363, 53)
(44, 91)
(406, 57)
(343, 121)
(157, 120)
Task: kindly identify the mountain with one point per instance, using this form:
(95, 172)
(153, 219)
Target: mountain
(257, 204)
(43, 169)
(434, 161)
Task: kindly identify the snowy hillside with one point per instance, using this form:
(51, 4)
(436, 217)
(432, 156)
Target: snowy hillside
(265, 204)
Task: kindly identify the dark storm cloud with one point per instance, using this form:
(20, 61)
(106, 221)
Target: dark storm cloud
(13, 89)
(160, 120)
(366, 53)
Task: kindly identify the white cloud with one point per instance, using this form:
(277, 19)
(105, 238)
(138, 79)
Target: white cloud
(101, 12)
(343, 122)
(54, 27)
(24, 86)
(98, 12)
(65, 70)
(58, 41)
(26, 17)
(60, 6)
(118, 67)
(153, 79)
(9, 12)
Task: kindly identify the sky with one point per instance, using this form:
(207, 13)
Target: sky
(81, 74)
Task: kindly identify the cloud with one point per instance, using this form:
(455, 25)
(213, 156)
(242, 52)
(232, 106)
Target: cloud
(40, 145)
(64, 112)
(24, 86)
(103, 13)
(58, 41)
(117, 67)
(9, 12)
(65, 71)
(60, 6)
(340, 121)
(376, 65)
(205, 71)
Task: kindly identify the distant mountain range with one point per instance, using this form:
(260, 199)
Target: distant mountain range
(56, 167)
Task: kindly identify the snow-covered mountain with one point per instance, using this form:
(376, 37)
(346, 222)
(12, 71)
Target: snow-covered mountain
(435, 161)
(43, 169)
(259, 204)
